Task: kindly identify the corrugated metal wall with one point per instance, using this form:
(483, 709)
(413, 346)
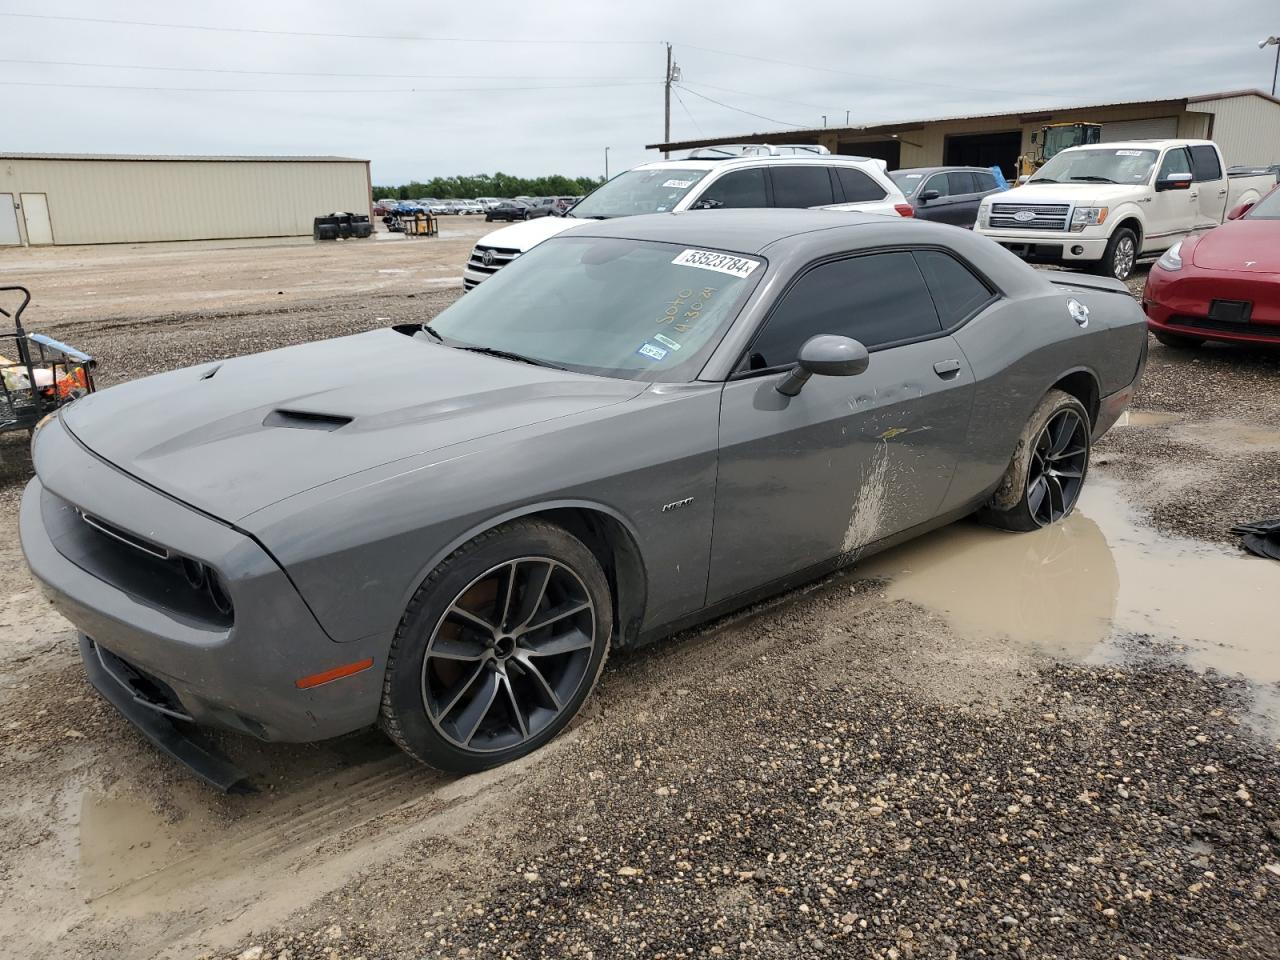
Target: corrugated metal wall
(1246, 128)
(131, 201)
(924, 147)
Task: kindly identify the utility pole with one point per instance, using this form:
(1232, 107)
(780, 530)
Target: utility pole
(666, 123)
(846, 118)
(606, 163)
(1272, 42)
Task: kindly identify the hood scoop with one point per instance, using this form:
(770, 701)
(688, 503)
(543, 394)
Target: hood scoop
(305, 420)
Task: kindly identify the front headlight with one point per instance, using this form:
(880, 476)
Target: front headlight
(1171, 259)
(984, 215)
(1087, 217)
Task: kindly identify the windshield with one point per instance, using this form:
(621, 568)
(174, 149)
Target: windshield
(1098, 166)
(618, 308)
(639, 191)
(1268, 208)
(907, 182)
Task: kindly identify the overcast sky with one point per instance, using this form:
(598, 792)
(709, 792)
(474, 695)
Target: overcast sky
(458, 107)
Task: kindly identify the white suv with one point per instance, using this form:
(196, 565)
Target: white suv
(757, 175)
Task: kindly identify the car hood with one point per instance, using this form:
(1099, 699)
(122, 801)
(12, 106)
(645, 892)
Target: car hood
(233, 437)
(1077, 194)
(1242, 246)
(529, 233)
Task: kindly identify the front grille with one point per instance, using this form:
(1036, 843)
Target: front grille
(151, 573)
(1044, 216)
(500, 257)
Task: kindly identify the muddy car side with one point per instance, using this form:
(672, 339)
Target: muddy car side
(480, 583)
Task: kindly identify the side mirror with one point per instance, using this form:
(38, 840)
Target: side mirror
(929, 195)
(827, 355)
(1238, 211)
(1024, 178)
(707, 203)
(1175, 181)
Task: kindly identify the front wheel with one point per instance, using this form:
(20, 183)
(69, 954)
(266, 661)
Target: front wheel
(1043, 481)
(1120, 256)
(498, 649)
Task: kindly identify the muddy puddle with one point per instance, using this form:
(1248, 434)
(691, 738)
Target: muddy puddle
(1229, 434)
(1085, 588)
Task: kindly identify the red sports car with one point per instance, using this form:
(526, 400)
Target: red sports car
(1220, 285)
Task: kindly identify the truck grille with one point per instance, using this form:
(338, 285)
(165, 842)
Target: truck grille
(1044, 216)
(497, 258)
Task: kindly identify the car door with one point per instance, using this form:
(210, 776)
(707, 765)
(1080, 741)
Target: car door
(1173, 213)
(849, 460)
(734, 190)
(935, 207)
(801, 185)
(1210, 186)
(965, 196)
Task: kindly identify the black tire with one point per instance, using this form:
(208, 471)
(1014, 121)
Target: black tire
(535, 674)
(1120, 256)
(1177, 341)
(1043, 480)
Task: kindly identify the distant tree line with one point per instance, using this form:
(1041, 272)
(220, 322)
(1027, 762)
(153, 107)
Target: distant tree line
(489, 185)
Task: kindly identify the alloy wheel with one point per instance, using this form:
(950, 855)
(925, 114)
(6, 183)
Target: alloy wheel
(1058, 464)
(508, 654)
(1126, 252)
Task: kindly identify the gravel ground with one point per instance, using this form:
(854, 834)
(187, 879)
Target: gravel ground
(835, 773)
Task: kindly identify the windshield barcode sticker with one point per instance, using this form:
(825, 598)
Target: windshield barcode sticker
(1128, 153)
(720, 262)
(678, 184)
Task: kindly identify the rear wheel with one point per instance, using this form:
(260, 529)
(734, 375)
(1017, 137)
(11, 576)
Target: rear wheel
(498, 649)
(1177, 340)
(1045, 477)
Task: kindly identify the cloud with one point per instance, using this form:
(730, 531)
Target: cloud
(877, 62)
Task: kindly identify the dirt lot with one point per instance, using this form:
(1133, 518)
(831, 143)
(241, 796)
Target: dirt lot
(1064, 744)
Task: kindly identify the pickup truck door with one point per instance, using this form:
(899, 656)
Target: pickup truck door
(1172, 214)
(1210, 185)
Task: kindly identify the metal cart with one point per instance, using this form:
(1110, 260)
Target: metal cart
(37, 373)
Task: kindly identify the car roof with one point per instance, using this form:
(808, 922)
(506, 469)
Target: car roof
(927, 170)
(744, 230)
(1143, 144)
(826, 159)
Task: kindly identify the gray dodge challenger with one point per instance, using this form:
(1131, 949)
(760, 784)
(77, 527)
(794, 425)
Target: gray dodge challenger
(442, 528)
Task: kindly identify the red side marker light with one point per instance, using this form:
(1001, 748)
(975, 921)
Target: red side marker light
(337, 673)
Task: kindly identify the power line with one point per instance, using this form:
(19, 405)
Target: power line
(680, 99)
(110, 86)
(307, 73)
(747, 93)
(849, 73)
(758, 116)
(311, 33)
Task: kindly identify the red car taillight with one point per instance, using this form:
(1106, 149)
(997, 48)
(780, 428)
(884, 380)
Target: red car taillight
(905, 209)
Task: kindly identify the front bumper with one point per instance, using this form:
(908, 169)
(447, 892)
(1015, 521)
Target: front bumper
(239, 674)
(1181, 303)
(1039, 246)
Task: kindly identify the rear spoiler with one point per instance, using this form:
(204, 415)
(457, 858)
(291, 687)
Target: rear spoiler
(1086, 281)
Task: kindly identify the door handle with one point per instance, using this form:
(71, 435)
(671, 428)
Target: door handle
(1222, 193)
(1193, 196)
(946, 369)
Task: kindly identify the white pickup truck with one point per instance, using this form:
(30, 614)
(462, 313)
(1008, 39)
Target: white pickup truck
(1105, 205)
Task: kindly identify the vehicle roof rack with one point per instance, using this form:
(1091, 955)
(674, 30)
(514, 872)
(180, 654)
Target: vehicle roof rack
(734, 151)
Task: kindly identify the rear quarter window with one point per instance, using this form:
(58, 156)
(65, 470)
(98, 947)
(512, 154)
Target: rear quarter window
(957, 292)
(858, 187)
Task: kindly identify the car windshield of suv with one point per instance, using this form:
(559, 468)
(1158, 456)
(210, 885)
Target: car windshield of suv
(632, 309)
(1268, 208)
(907, 182)
(638, 191)
(1119, 165)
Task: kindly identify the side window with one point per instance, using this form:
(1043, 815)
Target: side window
(956, 291)
(878, 299)
(742, 188)
(937, 182)
(984, 182)
(1175, 161)
(801, 186)
(1204, 163)
(857, 186)
(960, 182)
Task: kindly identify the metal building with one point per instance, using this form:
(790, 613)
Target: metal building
(69, 198)
(1245, 124)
